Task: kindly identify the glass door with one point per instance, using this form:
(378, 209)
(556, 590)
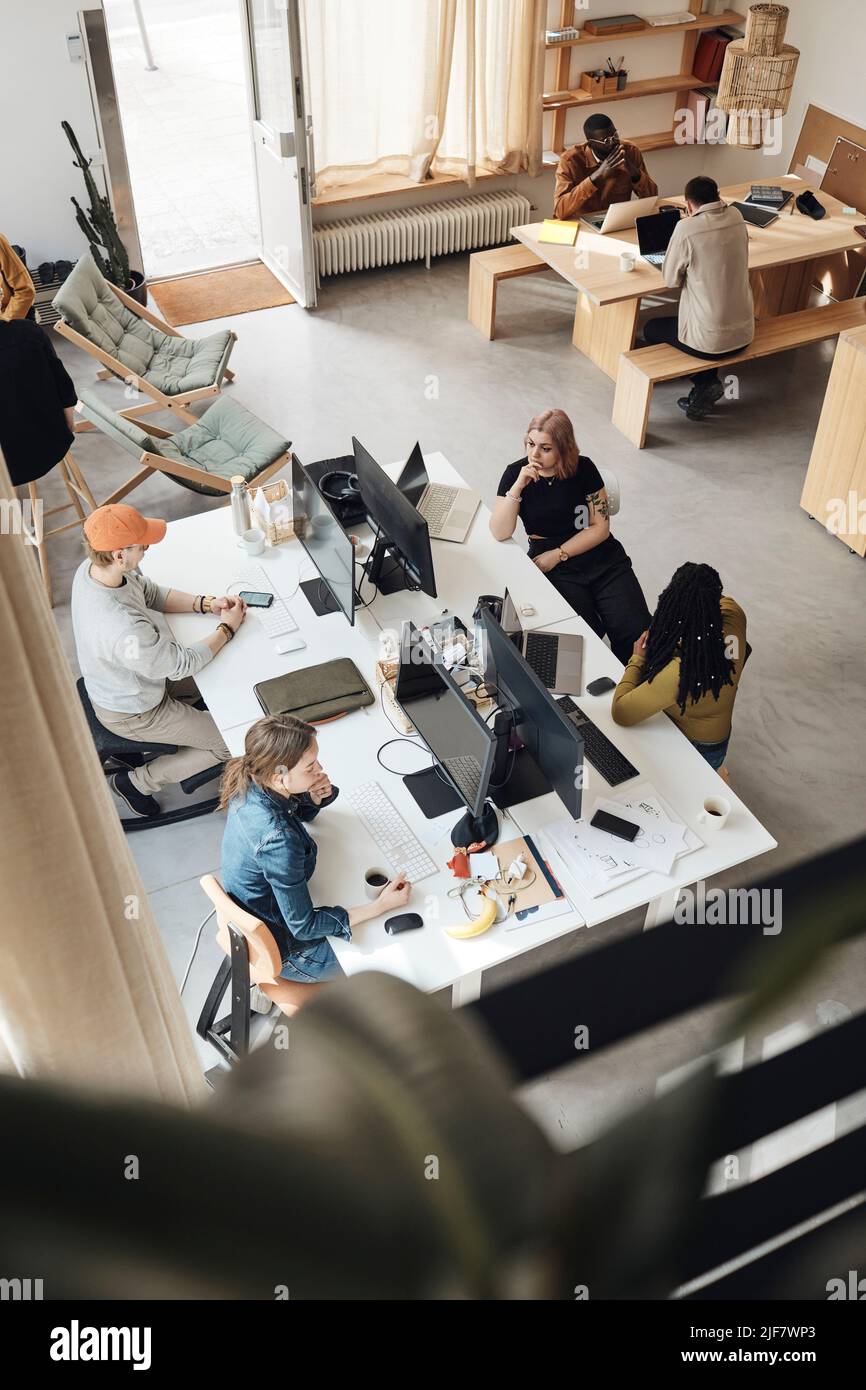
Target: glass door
(280, 139)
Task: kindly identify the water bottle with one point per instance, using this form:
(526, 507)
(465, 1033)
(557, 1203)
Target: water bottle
(240, 514)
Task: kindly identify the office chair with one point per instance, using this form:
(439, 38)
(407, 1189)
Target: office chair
(118, 754)
(253, 959)
(611, 487)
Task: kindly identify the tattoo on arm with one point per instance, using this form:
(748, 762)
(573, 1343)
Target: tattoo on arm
(599, 503)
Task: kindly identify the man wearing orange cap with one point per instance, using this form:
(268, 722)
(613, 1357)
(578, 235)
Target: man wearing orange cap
(139, 679)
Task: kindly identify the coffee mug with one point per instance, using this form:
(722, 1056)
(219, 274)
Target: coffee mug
(627, 260)
(374, 881)
(253, 540)
(715, 812)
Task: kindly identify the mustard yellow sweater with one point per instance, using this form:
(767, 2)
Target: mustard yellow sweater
(707, 720)
(17, 291)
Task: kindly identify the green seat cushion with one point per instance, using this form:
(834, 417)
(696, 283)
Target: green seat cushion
(172, 365)
(124, 432)
(227, 440)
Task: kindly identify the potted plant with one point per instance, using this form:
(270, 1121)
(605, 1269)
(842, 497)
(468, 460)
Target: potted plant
(100, 228)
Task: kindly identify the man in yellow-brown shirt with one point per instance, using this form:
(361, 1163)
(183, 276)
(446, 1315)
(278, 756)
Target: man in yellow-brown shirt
(17, 291)
(603, 171)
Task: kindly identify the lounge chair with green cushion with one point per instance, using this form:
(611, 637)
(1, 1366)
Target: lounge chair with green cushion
(227, 440)
(135, 345)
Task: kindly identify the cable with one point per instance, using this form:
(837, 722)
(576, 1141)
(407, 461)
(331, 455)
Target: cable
(194, 949)
(395, 772)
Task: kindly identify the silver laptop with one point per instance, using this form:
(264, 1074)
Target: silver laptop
(448, 511)
(620, 216)
(555, 657)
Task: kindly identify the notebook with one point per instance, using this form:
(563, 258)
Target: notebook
(558, 233)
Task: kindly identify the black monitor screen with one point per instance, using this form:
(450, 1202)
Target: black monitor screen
(654, 232)
(455, 733)
(553, 741)
(324, 539)
(396, 518)
(413, 479)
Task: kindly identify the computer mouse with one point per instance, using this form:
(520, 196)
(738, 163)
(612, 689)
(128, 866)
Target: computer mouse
(406, 921)
(527, 610)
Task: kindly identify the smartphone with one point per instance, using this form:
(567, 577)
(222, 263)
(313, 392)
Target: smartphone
(254, 600)
(407, 921)
(600, 686)
(861, 228)
(623, 829)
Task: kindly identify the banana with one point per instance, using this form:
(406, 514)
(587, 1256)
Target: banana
(480, 924)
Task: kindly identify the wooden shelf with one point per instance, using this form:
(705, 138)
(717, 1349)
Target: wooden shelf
(663, 140)
(648, 87)
(701, 21)
(380, 185)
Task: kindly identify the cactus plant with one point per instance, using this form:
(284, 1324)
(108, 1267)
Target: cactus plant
(98, 224)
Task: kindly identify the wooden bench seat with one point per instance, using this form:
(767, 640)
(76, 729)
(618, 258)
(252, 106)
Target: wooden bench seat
(486, 269)
(640, 369)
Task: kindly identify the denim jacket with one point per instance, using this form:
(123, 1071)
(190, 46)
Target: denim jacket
(268, 859)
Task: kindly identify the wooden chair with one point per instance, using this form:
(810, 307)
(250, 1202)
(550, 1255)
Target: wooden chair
(35, 532)
(225, 441)
(253, 958)
(486, 269)
(136, 346)
(641, 369)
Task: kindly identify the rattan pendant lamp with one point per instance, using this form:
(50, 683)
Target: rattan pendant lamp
(757, 76)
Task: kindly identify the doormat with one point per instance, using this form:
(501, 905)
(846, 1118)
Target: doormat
(219, 294)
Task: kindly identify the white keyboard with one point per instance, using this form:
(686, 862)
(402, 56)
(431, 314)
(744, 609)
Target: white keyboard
(276, 620)
(392, 835)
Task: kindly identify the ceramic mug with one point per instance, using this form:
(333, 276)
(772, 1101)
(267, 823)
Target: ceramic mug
(715, 812)
(374, 881)
(627, 260)
(253, 541)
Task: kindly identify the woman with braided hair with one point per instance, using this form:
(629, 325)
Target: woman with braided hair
(688, 663)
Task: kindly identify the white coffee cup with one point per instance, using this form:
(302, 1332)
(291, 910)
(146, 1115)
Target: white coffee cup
(253, 540)
(627, 260)
(715, 812)
(374, 882)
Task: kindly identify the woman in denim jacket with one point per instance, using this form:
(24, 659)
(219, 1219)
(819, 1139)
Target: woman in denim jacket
(268, 858)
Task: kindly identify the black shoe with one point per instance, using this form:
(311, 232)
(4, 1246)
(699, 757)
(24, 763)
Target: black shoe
(704, 399)
(685, 402)
(138, 802)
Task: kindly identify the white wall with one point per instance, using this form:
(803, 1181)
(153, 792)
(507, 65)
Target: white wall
(39, 88)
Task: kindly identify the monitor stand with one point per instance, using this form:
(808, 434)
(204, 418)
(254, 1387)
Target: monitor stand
(385, 571)
(319, 597)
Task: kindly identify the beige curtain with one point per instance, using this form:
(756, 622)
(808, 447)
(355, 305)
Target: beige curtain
(86, 992)
(408, 87)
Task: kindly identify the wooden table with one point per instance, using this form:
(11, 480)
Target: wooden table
(781, 260)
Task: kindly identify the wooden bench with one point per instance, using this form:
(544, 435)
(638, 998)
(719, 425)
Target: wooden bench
(486, 269)
(640, 369)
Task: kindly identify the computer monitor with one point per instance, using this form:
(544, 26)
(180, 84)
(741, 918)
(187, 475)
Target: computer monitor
(327, 545)
(552, 741)
(461, 742)
(401, 557)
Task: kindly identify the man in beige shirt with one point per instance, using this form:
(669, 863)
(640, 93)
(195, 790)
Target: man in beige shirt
(708, 260)
(590, 177)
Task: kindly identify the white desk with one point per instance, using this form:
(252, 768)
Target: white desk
(199, 553)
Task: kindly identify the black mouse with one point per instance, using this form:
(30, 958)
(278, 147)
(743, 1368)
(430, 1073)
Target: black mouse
(406, 921)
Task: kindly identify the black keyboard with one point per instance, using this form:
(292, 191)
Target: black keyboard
(598, 749)
(540, 652)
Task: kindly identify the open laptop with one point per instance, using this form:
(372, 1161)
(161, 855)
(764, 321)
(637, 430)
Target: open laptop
(654, 234)
(620, 216)
(448, 511)
(555, 657)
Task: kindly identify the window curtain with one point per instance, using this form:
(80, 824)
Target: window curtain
(413, 87)
(86, 990)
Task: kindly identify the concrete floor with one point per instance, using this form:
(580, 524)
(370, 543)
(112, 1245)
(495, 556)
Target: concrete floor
(390, 357)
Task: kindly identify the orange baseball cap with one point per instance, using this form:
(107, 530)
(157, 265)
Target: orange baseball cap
(116, 526)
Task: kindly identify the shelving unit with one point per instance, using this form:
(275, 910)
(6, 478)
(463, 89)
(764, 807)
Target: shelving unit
(680, 83)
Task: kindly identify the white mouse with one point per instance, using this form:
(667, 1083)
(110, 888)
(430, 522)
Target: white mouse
(290, 644)
(527, 610)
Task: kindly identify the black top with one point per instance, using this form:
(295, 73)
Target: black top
(34, 388)
(557, 508)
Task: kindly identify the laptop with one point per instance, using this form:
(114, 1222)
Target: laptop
(654, 234)
(448, 511)
(556, 658)
(620, 216)
(758, 216)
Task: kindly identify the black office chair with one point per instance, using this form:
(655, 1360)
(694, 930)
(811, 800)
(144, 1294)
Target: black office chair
(118, 754)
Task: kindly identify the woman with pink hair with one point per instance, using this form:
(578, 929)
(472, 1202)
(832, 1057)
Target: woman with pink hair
(559, 495)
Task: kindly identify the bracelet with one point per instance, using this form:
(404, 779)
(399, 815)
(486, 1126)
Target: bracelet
(510, 494)
(197, 603)
(224, 627)
(207, 603)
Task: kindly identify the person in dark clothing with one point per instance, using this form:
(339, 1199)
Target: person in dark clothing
(37, 396)
(560, 497)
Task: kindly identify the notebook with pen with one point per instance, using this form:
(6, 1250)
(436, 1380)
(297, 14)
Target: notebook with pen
(316, 693)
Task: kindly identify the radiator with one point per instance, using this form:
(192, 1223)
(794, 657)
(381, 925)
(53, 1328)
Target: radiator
(417, 234)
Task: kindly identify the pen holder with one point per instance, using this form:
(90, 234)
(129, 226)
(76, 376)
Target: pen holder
(594, 83)
(621, 80)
